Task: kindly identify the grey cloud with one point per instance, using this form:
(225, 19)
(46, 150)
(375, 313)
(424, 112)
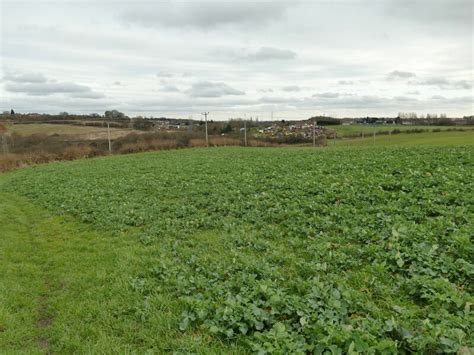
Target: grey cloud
(203, 15)
(347, 101)
(211, 89)
(438, 97)
(444, 83)
(404, 98)
(25, 78)
(291, 88)
(278, 100)
(327, 95)
(271, 53)
(46, 88)
(455, 12)
(164, 75)
(399, 74)
(265, 90)
(414, 92)
(49, 87)
(87, 95)
(432, 81)
(352, 82)
(169, 88)
(462, 84)
(117, 83)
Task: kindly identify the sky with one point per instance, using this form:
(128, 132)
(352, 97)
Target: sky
(281, 59)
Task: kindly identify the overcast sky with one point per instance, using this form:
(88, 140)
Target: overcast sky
(238, 58)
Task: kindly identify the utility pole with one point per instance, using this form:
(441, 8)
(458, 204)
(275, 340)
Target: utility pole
(4, 144)
(108, 136)
(314, 132)
(207, 138)
(245, 132)
(374, 135)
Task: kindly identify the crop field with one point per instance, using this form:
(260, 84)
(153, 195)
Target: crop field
(442, 138)
(79, 132)
(241, 250)
(356, 129)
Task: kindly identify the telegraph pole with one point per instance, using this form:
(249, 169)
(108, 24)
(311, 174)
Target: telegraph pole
(4, 144)
(108, 136)
(245, 132)
(314, 133)
(207, 138)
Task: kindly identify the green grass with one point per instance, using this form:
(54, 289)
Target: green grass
(356, 129)
(67, 288)
(232, 250)
(412, 139)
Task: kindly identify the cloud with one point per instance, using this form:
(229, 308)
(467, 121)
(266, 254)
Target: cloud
(211, 89)
(399, 74)
(327, 95)
(203, 14)
(440, 13)
(265, 90)
(164, 75)
(26, 84)
(271, 53)
(438, 97)
(404, 98)
(434, 81)
(346, 101)
(117, 83)
(462, 84)
(25, 78)
(278, 100)
(352, 82)
(87, 95)
(444, 83)
(169, 88)
(291, 88)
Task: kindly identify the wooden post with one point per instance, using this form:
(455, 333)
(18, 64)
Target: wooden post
(108, 136)
(245, 132)
(207, 137)
(374, 135)
(4, 144)
(314, 134)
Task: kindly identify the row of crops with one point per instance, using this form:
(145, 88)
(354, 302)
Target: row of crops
(290, 250)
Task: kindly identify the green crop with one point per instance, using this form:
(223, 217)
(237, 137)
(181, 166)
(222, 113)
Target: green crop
(291, 250)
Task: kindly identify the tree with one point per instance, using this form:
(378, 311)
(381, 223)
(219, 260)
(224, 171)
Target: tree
(114, 114)
(227, 128)
(12, 112)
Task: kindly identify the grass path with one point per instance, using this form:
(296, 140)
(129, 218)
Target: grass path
(66, 288)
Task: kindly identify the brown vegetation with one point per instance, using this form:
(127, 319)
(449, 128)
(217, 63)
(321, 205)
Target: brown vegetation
(42, 148)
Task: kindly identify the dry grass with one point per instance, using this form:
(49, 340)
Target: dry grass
(80, 152)
(71, 132)
(14, 161)
(145, 146)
